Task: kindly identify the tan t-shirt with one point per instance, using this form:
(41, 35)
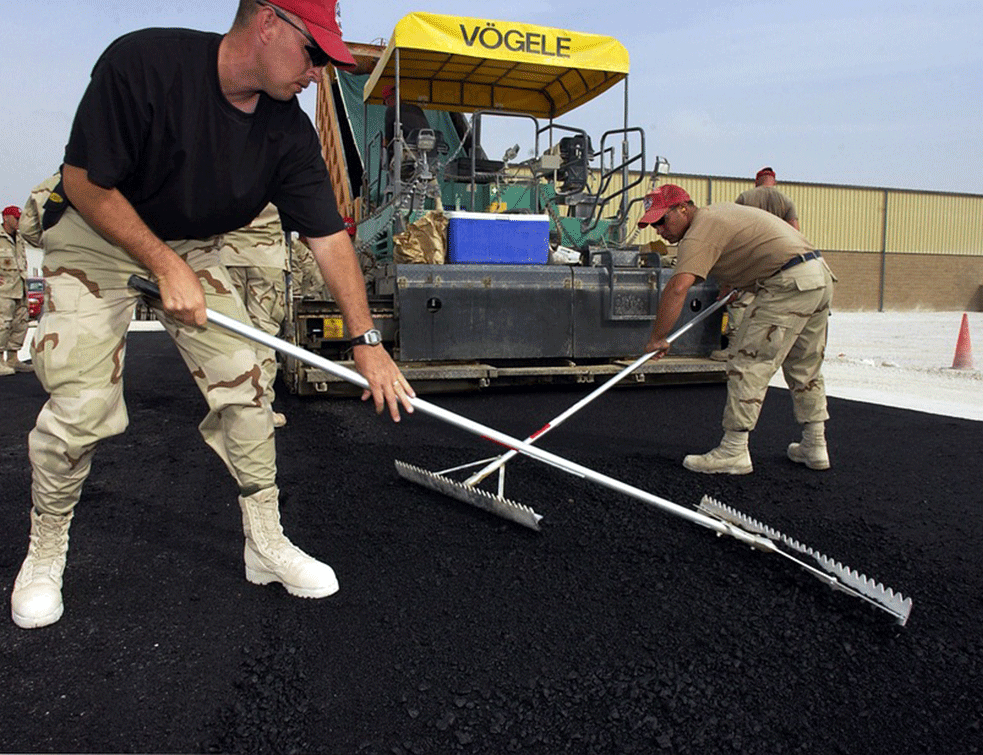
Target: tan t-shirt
(769, 199)
(737, 245)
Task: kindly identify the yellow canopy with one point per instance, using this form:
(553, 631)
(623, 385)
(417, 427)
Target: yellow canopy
(466, 64)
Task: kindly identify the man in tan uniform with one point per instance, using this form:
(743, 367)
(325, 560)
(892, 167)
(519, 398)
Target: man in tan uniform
(150, 190)
(785, 327)
(13, 293)
(256, 258)
(765, 197)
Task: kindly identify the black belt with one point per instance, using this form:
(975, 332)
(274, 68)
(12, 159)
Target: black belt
(801, 258)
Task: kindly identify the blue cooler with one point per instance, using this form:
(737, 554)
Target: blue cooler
(491, 238)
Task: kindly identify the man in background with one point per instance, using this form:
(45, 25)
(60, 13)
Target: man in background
(13, 294)
(306, 279)
(765, 197)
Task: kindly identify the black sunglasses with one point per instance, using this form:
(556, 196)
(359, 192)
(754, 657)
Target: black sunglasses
(318, 56)
(662, 220)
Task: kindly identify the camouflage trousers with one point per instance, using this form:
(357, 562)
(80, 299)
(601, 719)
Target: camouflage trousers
(264, 292)
(785, 326)
(13, 324)
(79, 349)
(736, 311)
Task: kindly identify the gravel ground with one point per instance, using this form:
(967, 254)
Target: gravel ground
(617, 629)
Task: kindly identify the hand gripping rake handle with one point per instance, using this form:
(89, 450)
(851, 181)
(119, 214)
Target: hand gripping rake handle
(561, 418)
(254, 334)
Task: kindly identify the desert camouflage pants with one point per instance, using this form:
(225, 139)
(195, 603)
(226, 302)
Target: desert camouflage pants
(735, 313)
(13, 323)
(785, 327)
(79, 349)
(263, 289)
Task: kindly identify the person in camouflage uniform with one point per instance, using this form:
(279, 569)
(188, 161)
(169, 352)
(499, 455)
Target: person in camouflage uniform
(306, 281)
(181, 137)
(746, 249)
(13, 293)
(256, 258)
(30, 218)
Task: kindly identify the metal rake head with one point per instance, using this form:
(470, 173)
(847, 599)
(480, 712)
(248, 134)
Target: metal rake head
(494, 504)
(835, 574)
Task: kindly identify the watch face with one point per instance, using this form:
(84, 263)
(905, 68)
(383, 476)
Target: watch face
(370, 338)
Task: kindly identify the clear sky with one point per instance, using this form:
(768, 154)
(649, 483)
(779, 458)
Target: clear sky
(879, 93)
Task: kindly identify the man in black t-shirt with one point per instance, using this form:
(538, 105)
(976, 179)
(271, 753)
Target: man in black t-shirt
(180, 137)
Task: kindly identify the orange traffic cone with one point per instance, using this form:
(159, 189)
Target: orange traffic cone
(963, 360)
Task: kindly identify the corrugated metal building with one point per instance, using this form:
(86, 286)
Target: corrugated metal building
(891, 249)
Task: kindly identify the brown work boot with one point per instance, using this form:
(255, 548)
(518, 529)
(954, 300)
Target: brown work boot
(812, 450)
(36, 599)
(270, 557)
(730, 457)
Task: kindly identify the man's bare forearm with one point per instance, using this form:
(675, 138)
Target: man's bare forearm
(671, 304)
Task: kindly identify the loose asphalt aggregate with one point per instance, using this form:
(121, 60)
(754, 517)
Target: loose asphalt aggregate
(618, 628)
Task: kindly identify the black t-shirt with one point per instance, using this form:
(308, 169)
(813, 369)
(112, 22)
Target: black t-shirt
(154, 124)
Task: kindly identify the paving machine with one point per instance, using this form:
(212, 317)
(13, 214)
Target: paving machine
(494, 272)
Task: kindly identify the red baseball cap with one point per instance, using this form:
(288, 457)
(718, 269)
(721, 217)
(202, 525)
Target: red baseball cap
(12, 210)
(660, 201)
(764, 172)
(323, 20)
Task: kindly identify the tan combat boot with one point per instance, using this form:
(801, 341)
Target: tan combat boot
(812, 450)
(36, 599)
(14, 363)
(6, 369)
(730, 457)
(270, 557)
(279, 419)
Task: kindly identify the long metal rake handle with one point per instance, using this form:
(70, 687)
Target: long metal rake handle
(476, 428)
(561, 418)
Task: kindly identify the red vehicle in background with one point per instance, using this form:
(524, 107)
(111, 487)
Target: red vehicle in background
(35, 297)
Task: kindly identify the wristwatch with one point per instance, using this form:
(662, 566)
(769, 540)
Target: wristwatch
(371, 337)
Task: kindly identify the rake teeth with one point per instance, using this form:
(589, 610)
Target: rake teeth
(845, 579)
(503, 507)
(893, 602)
(725, 513)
